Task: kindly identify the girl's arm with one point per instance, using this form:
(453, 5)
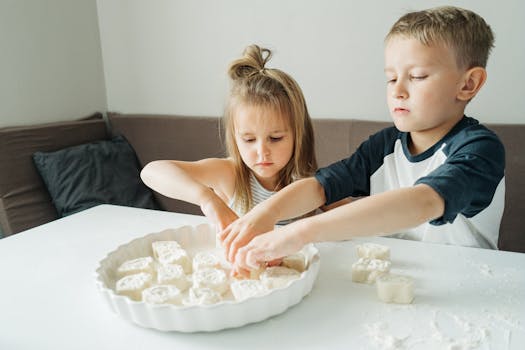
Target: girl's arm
(380, 214)
(294, 200)
(208, 183)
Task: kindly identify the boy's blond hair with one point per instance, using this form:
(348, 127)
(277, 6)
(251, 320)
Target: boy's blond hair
(255, 85)
(462, 30)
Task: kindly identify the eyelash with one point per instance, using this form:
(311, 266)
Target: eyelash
(272, 139)
(412, 77)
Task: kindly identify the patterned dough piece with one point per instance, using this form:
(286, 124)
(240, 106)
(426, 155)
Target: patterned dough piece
(203, 260)
(215, 279)
(367, 270)
(373, 251)
(278, 276)
(173, 274)
(133, 285)
(161, 247)
(244, 289)
(130, 267)
(295, 261)
(162, 294)
(202, 296)
(395, 288)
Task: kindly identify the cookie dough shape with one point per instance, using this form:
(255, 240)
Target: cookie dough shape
(244, 289)
(133, 266)
(367, 270)
(133, 285)
(162, 294)
(278, 276)
(215, 279)
(373, 251)
(392, 288)
(173, 274)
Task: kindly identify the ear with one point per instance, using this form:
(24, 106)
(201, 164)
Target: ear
(473, 80)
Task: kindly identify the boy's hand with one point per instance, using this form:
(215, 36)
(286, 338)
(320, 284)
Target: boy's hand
(267, 247)
(242, 231)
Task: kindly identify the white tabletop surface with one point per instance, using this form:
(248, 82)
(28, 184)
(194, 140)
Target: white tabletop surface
(466, 298)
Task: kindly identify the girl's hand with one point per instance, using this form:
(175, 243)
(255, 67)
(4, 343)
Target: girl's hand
(242, 231)
(267, 247)
(218, 212)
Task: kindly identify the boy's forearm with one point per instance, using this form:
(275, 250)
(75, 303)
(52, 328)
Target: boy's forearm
(381, 214)
(294, 200)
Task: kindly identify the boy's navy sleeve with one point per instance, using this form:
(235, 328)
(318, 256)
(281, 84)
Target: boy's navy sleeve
(351, 176)
(470, 175)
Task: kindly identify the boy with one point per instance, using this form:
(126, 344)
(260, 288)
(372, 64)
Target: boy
(437, 176)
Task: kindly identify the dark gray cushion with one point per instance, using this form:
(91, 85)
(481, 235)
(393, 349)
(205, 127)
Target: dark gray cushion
(24, 200)
(102, 172)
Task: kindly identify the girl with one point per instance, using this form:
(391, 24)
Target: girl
(269, 139)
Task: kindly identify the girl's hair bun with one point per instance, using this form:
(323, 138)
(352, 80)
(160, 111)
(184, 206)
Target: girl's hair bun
(252, 62)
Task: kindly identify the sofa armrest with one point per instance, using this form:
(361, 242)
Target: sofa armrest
(24, 200)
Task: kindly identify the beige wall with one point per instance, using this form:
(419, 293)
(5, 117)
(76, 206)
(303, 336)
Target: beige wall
(50, 61)
(169, 56)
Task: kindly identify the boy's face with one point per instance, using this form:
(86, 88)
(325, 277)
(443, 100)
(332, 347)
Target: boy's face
(423, 83)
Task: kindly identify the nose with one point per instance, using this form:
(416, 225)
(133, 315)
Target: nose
(263, 149)
(398, 90)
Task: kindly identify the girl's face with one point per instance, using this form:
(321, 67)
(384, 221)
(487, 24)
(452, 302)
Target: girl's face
(265, 141)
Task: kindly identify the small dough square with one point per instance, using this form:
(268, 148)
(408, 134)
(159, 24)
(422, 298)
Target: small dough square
(173, 274)
(133, 266)
(278, 276)
(367, 270)
(373, 251)
(133, 285)
(162, 294)
(244, 289)
(393, 288)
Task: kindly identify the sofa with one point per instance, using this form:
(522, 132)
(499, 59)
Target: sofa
(25, 201)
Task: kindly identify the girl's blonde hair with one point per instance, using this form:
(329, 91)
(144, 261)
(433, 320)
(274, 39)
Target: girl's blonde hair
(254, 84)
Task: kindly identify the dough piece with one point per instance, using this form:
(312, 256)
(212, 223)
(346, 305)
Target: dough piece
(176, 256)
(215, 279)
(202, 296)
(393, 288)
(173, 274)
(244, 289)
(278, 276)
(203, 260)
(133, 285)
(161, 247)
(295, 261)
(134, 266)
(367, 270)
(162, 294)
(373, 251)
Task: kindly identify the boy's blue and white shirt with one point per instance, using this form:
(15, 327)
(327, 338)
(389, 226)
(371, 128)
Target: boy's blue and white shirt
(466, 168)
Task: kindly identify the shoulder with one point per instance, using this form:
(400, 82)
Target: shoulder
(475, 138)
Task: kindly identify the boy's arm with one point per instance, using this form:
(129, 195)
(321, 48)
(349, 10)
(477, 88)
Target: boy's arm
(294, 200)
(380, 214)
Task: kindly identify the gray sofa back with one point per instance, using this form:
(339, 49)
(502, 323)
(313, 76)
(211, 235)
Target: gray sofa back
(25, 203)
(191, 138)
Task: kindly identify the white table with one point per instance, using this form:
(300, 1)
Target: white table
(473, 298)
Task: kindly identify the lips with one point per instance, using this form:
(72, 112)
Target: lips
(264, 163)
(401, 110)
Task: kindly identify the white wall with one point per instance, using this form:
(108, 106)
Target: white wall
(170, 56)
(50, 61)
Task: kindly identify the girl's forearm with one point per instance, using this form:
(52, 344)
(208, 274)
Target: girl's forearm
(168, 179)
